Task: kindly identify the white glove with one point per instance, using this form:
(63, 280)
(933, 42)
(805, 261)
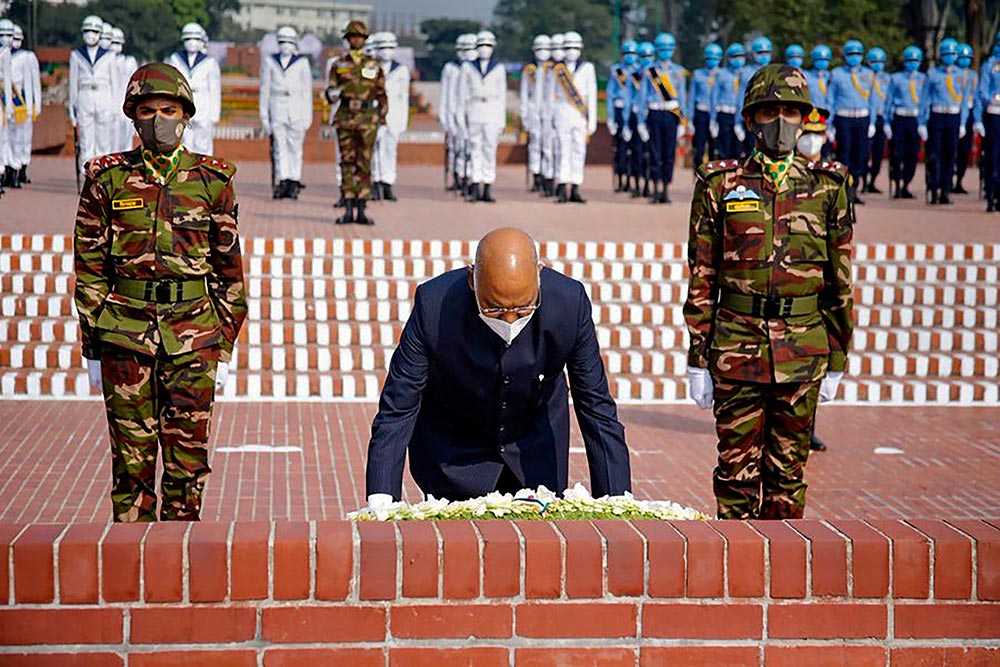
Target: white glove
(871, 130)
(379, 500)
(627, 133)
(643, 132)
(612, 127)
(681, 131)
(887, 130)
(265, 128)
(72, 116)
(713, 129)
(700, 387)
(380, 132)
(740, 133)
(979, 129)
(94, 373)
(962, 131)
(221, 375)
(922, 132)
(831, 133)
(828, 387)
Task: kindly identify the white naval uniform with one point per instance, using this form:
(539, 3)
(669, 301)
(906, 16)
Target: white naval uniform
(445, 112)
(93, 74)
(127, 66)
(548, 148)
(483, 89)
(286, 105)
(203, 75)
(6, 107)
(329, 119)
(529, 115)
(26, 84)
(572, 127)
(397, 91)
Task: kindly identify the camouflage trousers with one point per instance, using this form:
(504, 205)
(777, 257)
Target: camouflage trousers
(356, 146)
(763, 432)
(158, 403)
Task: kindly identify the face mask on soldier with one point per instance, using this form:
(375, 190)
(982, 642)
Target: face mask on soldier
(286, 48)
(159, 134)
(777, 138)
(192, 45)
(91, 37)
(484, 52)
(572, 55)
(811, 144)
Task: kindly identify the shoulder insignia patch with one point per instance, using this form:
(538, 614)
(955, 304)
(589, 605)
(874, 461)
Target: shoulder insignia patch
(218, 166)
(832, 168)
(102, 163)
(710, 169)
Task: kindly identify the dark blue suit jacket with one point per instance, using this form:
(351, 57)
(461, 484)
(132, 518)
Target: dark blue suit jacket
(464, 403)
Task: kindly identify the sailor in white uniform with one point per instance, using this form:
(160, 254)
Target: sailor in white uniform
(93, 110)
(397, 90)
(573, 99)
(204, 76)
(483, 86)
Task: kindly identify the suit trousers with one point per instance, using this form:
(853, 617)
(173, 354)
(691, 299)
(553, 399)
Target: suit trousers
(877, 150)
(702, 141)
(852, 145)
(964, 151)
(991, 154)
(763, 431)
(726, 144)
(941, 149)
(904, 149)
(620, 145)
(662, 145)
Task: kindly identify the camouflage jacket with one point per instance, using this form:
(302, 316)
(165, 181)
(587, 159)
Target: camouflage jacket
(129, 228)
(361, 92)
(747, 238)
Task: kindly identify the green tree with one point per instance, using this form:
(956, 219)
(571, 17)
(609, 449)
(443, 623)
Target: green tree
(441, 36)
(516, 22)
(186, 11)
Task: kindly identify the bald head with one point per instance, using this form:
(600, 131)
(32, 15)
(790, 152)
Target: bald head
(506, 271)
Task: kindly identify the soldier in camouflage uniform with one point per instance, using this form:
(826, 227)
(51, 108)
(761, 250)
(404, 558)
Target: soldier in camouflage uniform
(159, 291)
(769, 302)
(358, 84)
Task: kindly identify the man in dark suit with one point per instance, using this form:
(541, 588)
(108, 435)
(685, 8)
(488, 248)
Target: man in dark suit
(476, 389)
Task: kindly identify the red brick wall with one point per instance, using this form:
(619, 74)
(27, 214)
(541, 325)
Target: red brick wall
(490, 593)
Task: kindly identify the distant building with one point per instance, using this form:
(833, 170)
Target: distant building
(317, 16)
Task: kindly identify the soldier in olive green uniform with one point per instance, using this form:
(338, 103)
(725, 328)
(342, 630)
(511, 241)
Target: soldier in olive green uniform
(769, 302)
(159, 291)
(357, 89)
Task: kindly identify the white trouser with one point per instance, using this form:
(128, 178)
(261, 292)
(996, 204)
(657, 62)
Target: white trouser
(97, 135)
(460, 146)
(572, 142)
(288, 149)
(6, 158)
(199, 137)
(336, 161)
(535, 152)
(126, 134)
(20, 144)
(384, 164)
(548, 151)
(483, 141)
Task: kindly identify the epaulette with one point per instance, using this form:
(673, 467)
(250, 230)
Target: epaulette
(102, 163)
(218, 166)
(831, 167)
(709, 169)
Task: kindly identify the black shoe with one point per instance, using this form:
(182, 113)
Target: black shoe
(341, 203)
(292, 192)
(376, 191)
(645, 188)
(991, 206)
(487, 194)
(548, 187)
(473, 193)
(897, 190)
(959, 190)
(361, 218)
(934, 198)
(536, 183)
(636, 193)
(24, 175)
(816, 444)
(279, 190)
(387, 193)
(945, 199)
(348, 216)
(455, 184)
(873, 190)
(906, 193)
(561, 197)
(463, 190)
(12, 178)
(627, 184)
(574, 195)
(665, 195)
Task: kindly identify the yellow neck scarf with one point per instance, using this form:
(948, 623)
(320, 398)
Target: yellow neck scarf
(161, 167)
(776, 170)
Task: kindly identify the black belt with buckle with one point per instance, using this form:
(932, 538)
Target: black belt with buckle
(160, 291)
(770, 306)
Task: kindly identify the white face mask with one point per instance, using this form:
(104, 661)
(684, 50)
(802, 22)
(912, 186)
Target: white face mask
(117, 48)
(386, 54)
(91, 38)
(104, 43)
(286, 48)
(572, 55)
(541, 55)
(810, 145)
(485, 52)
(507, 331)
(192, 45)
(16, 43)
(558, 55)
(469, 55)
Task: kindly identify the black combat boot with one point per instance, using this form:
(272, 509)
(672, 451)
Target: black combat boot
(561, 197)
(341, 203)
(12, 178)
(906, 192)
(816, 444)
(945, 199)
(959, 190)
(488, 194)
(387, 193)
(665, 195)
(376, 191)
(24, 174)
(361, 218)
(292, 191)
(348, 216)
(627, 185)
(897, 190)
(536, 182)
(548, 187)
(873, 189)
(645, 188)
(276, 192)
(574, 195)
(473, 193)
(934, 198)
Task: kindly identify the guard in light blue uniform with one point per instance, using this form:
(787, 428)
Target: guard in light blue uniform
(902, 106)
(987, 113)
(761, 50)
(618, 98)
(848, 99)
(795, 55)
(942, 121)
(702, 105)
(638, 148)
(970, 83)
(876, 116)
(729, 87)
(819, 83)
(664, 101)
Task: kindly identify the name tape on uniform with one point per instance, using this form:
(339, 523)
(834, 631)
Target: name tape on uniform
(126, 204)
(742, 206)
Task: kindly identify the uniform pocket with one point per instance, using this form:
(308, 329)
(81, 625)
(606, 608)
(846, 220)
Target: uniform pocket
(131, 234)
(746, 238)
(806, 239)
(191, 235)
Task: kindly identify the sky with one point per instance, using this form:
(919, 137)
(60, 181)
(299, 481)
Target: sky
(429, 9)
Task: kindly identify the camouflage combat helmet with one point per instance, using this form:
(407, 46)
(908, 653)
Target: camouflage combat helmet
(777, 84)
(158, 79)
(356, 28)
